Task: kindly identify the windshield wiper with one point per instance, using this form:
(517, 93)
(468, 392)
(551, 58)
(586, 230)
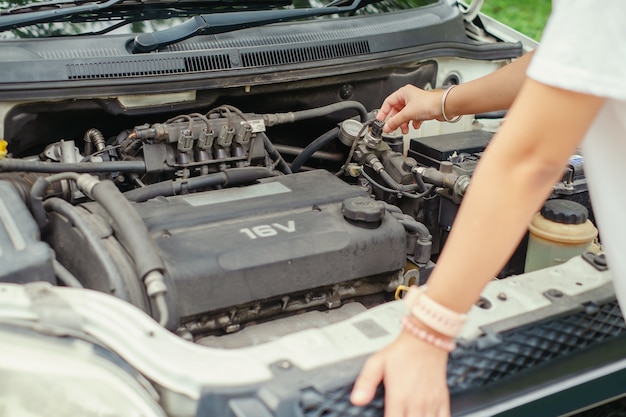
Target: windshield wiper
(128, 11)
(225, 22)
(14, 21)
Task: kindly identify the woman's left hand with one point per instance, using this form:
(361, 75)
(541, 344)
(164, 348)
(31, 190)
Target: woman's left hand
(414, 374)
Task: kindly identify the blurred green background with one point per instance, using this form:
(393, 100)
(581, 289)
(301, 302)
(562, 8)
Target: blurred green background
(526, 16)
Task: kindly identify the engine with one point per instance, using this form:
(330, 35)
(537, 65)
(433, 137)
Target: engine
(208, 225)
(200, 222)
(283, 244)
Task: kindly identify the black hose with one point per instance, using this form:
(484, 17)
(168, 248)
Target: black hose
(407, 194)
(413, 226)
(409, 223)
(313, 147)
(331, 108)
(129, 227)
(79, 167)
(228, 177)
(419, 181)
(38, 191)
(132, 232)
(280, 163)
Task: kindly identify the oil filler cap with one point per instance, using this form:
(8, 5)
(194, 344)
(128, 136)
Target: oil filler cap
(564, 211)
(363, 209)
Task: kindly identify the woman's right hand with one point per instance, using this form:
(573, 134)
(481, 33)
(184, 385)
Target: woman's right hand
(410, 104)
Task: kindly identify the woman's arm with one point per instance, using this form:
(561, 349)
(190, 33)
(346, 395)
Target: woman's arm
(514, 177)
(520, 166)
(495, 91)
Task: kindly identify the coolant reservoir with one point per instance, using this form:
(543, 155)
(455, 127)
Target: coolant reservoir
(560, 231)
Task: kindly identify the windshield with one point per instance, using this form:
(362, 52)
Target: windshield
(137, 16)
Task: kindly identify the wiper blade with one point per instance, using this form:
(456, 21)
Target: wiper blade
(225, 22)
(14, 21)
(128, 11)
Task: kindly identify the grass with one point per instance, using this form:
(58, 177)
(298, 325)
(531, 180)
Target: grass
(526, 16)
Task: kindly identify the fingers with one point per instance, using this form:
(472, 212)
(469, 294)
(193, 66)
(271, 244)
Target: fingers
(399, 120)
(385, 110)
(413, 388)
(365, 385)
(392, 104)
(390, 109)
(417, 124)
(407, 105)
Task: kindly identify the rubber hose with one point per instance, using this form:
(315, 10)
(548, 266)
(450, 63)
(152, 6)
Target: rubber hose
(412, 225)
(409, 223)
(38, 191)
(331, 108)
(129, 227)
(421, 187)
(79, 167)
(313, 147)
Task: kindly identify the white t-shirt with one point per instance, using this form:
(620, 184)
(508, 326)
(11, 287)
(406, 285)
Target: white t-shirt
(583, 49)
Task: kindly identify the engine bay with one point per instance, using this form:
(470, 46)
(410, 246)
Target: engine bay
(233, 189)
(209, 225)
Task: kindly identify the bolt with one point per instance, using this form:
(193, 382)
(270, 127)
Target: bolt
(555, 293)
(599, 259)
(346, 91)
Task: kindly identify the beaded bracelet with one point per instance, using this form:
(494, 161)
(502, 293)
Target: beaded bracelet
(428, 337)
(443, 105)
(439, 318)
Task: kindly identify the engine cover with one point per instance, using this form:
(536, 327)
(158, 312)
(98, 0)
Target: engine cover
(283, 235)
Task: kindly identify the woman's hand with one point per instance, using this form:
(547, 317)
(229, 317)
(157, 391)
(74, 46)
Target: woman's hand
(414, 374)
(410, 104)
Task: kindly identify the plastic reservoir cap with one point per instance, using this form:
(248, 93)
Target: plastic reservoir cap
(363, 209)
(564, 211)
(563, 221)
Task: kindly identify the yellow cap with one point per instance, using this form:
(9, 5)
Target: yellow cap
(3, 148)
